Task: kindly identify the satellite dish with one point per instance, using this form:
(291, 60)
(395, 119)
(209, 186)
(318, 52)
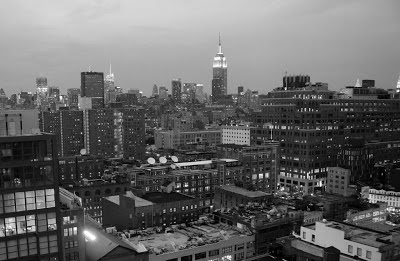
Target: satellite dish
(162, 160)
(174, 158)
(173, 166)
(83, 152)
(151, 161)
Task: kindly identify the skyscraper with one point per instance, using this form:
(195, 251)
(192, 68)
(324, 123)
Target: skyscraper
(92, 86)
(398, 85)
(220, 75)
(73, 94)
(41, 89)
(176, 86)
(109, 88)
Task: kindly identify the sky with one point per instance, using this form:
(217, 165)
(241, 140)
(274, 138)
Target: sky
(154, 41)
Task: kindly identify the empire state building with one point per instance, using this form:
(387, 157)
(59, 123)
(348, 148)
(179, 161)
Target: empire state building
(220, 75)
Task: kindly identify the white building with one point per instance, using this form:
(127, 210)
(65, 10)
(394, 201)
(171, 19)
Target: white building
(350, 240)
(239, 135)
(392, 198)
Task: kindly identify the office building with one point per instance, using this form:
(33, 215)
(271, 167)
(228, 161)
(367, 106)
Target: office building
(260, 164)
(67, 125)
(92, 86)
(316, 133)
(155, 91)
(219, 84)
(239, 135)
(240, 90)
(176, 87)
(115, 132)
(350, 240)
(41, 90)
(30, 217)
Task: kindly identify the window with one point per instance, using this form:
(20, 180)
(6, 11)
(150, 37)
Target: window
(239, 256)
(200, 255)
(239, 247)
(250, 244)
(186, 258)
(213, 252)
(368, 254)
(359, 251)
(350, 249)
(313, 238)
(226, 250)
(304, 235)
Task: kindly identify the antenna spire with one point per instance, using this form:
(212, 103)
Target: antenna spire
(219, 43)
(110, 67)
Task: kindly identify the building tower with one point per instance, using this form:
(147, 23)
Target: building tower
(220, 75)
(92, 86)
(109, 88)
(398, 85)
(155, 91)
(176, 87)
(41, 89)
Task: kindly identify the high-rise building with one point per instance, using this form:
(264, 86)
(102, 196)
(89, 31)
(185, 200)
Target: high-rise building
(41, 90)
(189, 91)
(155, 90)
(240, 90)
(30, 217)
(398, 85)
(109, 88)
(73, 97)
(163, 92)
(67, 125)
(220, 75)
(92, 86)
(115, 132)
(176, 86)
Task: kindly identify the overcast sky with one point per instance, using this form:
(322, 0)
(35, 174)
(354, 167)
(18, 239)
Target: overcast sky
(151, 42)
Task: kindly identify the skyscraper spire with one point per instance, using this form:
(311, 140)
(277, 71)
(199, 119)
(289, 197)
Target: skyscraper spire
(358, 83)
(219, 43)
(110, 67)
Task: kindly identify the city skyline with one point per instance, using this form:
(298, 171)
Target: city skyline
(335, 42)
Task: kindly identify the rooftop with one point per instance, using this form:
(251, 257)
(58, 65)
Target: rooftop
(203, 162)
(139, 202)
(160, 197)
(244, 192)
(180, 237)
(357, 234)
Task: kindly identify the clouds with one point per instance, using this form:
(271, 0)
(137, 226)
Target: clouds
(154, 41)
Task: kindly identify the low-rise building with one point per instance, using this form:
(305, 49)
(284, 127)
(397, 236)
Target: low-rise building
(72, 226)
(160, 209)
(338, 182)
(229, 196)
(392, 198)
(351, 240)
(75, 168)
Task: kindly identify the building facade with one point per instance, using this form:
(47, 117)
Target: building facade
(30, 219)
(176, 87)
(92, 86)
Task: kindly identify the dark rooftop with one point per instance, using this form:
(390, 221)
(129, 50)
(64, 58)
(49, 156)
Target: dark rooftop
(160, 197)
